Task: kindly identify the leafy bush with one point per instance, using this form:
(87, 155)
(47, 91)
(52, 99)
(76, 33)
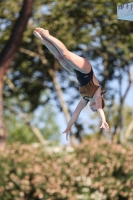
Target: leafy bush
(95, 170)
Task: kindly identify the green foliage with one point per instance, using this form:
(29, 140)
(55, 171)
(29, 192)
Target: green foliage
(96, 170)
(44, 120)
(9, 11)
(89, 28)
(18, 130)
(112, 115)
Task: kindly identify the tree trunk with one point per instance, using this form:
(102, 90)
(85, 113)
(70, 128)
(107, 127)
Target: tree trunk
(3, 130)
(11, 47)
(118, 127)
(25, 117)
(60, 95)
(56, 84)
(128, 132)
(7, 55)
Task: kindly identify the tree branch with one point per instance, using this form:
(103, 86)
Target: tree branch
(11, 47)
(130, 82)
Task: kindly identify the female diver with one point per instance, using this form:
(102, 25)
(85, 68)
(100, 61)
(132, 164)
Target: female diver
(89, 86)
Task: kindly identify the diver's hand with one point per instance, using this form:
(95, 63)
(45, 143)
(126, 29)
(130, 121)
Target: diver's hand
(67, 133)
(105, 126)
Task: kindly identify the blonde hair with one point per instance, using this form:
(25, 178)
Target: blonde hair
(103, 92)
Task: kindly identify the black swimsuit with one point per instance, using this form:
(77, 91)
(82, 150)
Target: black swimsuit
(86, 88)
(83, 79)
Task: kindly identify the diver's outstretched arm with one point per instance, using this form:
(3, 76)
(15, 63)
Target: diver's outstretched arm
(75, 115)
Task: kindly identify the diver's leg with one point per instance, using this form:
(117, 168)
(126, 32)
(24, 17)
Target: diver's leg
(55, 52)
(72, 59)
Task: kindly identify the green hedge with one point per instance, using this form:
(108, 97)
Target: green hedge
(95, 170)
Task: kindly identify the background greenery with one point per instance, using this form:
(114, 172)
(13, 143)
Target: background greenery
(36, 167)
(96, 170)
(90, 29)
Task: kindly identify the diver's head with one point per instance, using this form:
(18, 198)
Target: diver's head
(93, 105)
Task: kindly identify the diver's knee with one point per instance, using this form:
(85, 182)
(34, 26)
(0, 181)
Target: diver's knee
(58, 56)
(66, 54)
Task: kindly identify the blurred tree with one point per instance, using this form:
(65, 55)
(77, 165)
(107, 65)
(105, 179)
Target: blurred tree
(9, 50)
(113, 119)
(22, 131)
(46, 121)
(90, 29)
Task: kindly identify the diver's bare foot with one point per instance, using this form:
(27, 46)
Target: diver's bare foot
(42, 32)
(37, 35)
